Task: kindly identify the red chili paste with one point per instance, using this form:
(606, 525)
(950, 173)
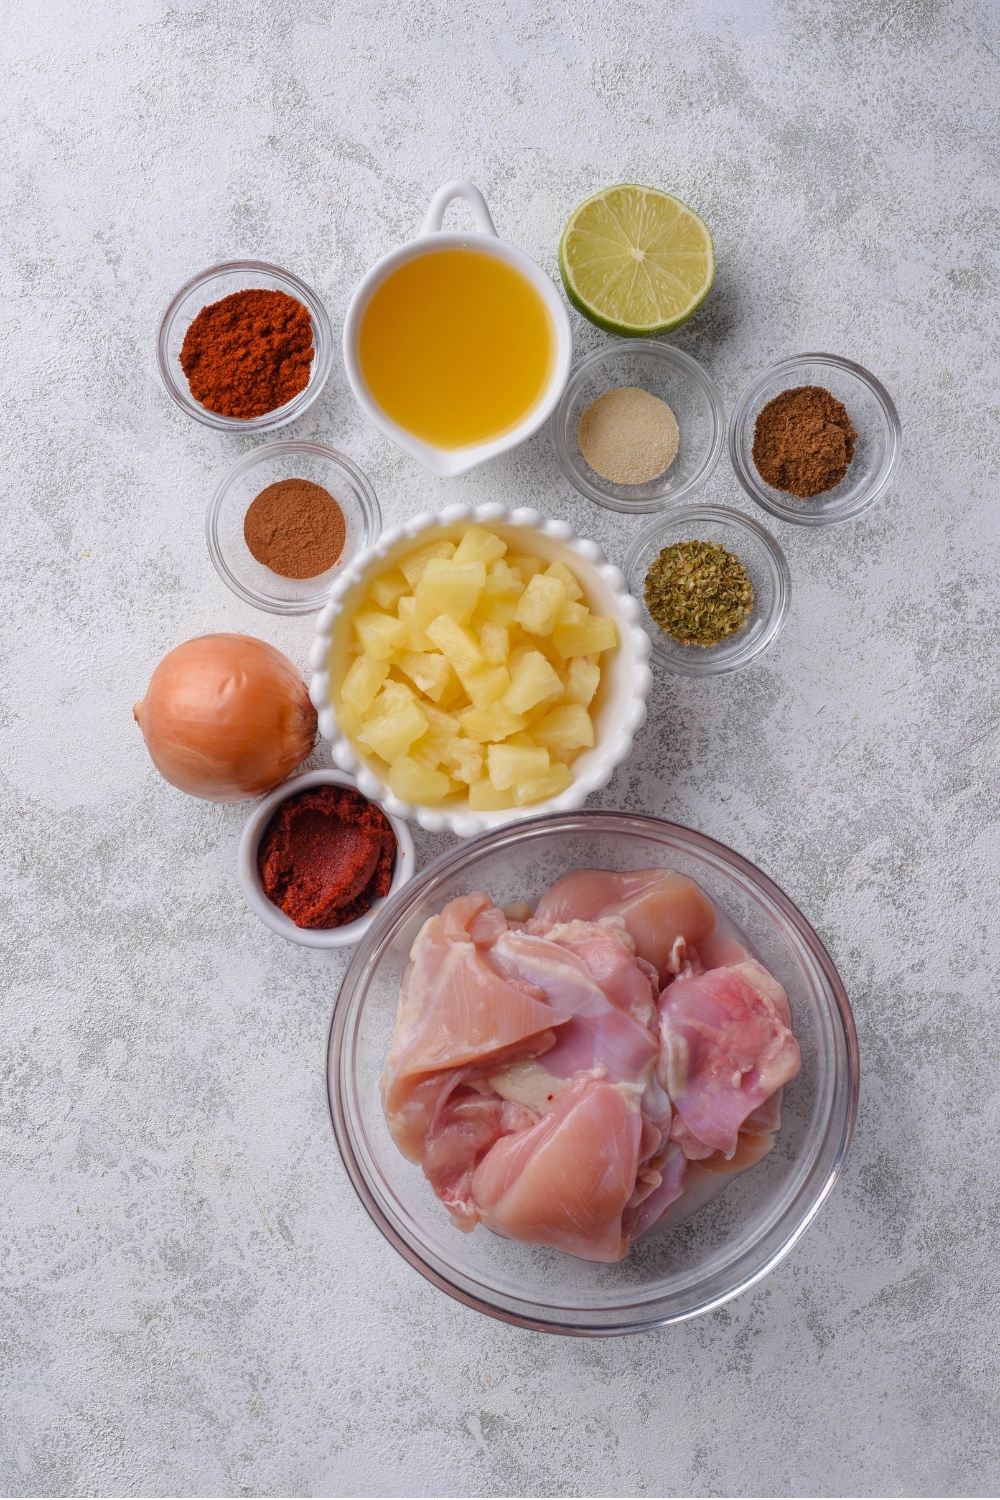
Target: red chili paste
(326, 856)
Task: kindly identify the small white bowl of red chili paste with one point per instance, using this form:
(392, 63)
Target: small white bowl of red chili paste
(318, 860)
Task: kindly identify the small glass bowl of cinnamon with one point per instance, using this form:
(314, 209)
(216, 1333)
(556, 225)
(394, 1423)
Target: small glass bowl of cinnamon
(211, 287)
(876, 439)
(279, 472)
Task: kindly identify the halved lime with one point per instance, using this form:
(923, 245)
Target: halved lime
(636, 261)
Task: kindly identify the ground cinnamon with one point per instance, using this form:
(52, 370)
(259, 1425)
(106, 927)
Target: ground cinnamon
(295, 528)
(803, 441)
(249, 353)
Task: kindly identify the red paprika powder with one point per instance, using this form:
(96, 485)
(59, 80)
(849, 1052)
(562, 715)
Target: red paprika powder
(326, 856)
(249, 353)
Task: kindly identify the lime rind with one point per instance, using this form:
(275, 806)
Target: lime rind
(639, 249)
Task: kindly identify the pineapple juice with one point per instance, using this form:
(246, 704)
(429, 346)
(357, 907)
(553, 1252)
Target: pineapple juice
(457, 347)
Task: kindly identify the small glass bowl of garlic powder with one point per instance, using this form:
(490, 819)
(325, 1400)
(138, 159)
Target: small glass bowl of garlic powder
(640, 425)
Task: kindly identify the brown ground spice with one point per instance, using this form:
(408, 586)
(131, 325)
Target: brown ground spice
(295, 528)
(249, 353)
(803, 441)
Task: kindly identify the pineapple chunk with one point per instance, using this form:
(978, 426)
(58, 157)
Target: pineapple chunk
(482, 546)
(532, 680)
(538, 606)
(428, 671)
(416, 615)
(463, 758)
(595, 635)
(566, 727)
(426, 751)
(567, 579)
(364, 678)
(498, 610)
(484, 797)
(583, 680)
(502, 582)
(539, 788)
(494, 643)
(412, 567)
(411, 782)
(511, 765)
(391, 735)
(349, 721)
(492, 723)
(453, 587)
(485, 685)
(379, 634)
(527, 565)
(571, 613)
(389, 589)
(441, 723)
(458, 644)
(394, 697)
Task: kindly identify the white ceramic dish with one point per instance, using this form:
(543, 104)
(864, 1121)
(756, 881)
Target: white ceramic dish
(447, 462)
(620, 707)
(272, 916)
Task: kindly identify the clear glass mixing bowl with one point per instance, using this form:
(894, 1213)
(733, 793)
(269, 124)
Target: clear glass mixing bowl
(671, 1274)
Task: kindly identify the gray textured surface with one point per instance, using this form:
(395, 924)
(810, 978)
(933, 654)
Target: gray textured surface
(192, 1300)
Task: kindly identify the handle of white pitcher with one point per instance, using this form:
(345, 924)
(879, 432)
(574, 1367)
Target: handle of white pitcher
(458, 187)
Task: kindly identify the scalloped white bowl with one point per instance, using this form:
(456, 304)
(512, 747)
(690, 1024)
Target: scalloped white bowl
(619, 709)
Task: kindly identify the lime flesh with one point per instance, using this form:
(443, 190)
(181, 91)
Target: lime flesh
(636, 261)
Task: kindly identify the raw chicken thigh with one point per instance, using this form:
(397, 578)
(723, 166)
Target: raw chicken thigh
(566, 1079)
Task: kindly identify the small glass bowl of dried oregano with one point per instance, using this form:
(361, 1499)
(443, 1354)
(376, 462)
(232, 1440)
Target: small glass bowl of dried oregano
(815, 440)
(713, 585)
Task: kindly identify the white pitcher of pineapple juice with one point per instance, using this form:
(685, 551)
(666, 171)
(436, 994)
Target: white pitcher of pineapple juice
(457, 344)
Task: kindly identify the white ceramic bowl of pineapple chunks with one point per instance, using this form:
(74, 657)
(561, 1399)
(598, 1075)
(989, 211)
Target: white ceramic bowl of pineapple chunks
(479, 665)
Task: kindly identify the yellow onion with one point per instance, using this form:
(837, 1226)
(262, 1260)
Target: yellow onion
(226, 717)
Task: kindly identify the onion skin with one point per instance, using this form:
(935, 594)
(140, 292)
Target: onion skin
(226, 717)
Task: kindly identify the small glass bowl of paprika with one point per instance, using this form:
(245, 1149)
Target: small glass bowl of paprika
(250, 360)
(322, 857)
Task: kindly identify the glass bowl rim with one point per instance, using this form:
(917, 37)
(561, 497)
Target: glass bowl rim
(879, 482)
(370, 510)
(322, 359)
(667, 354)
(717, 667)
(362, 960)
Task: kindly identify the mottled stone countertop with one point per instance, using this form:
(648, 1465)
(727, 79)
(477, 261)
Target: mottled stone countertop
(192, 1300)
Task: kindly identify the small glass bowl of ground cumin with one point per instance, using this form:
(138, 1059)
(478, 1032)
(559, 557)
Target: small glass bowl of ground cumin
(250, 351)
(285, 519)
(317, 860)
(749, 556)
(827, 440)
(640, 425)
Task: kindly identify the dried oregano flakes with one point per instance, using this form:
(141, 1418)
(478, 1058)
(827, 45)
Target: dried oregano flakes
(698, 592)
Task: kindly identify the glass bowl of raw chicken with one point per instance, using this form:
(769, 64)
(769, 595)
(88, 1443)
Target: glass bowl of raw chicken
(592, 1073)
